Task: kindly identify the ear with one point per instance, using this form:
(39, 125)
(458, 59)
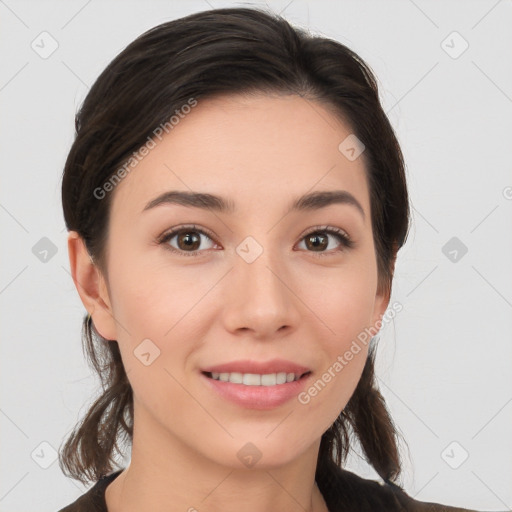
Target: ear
(91, 286)
(383, 296)
(380, 306)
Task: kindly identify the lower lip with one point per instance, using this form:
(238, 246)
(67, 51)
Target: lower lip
(257, 397)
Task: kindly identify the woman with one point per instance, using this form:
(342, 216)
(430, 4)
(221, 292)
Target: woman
(235, 199)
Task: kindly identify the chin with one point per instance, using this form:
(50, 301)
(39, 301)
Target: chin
(263, 451)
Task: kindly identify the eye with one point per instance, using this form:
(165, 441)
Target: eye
(186, 240)
(318, 240)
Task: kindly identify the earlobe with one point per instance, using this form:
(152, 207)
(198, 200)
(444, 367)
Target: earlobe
(91, 286)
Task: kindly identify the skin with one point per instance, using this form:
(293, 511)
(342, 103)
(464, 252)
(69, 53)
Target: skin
(261, 152)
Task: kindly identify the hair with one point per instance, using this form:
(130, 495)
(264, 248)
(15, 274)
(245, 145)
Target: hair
(224, 52)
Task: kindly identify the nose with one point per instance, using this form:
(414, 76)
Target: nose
(259, 299)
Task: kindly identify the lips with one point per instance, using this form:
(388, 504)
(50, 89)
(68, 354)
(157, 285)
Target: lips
(257, 385)
(255, 367)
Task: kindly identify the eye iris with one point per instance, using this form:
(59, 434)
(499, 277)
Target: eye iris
(191, 240)
(313, 239)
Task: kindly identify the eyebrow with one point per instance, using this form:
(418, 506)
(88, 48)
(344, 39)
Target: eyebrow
(311, 201)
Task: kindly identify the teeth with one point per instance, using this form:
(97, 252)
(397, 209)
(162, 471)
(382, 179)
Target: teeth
(249, 379)
(256, 379)
(269, 379)
(280, 378)
(236, 378)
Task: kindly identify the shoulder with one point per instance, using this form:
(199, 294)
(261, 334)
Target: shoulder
(94, 499)
(349, 491)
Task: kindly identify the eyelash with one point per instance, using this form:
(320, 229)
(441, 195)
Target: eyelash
(346, 241)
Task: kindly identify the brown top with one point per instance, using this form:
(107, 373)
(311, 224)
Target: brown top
(346, 488)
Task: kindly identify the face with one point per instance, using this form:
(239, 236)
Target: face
(266, 285)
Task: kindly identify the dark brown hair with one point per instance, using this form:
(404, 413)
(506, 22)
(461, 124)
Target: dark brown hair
(222, 52)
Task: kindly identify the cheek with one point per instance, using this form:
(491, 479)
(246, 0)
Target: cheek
(153, 299)
(344, 304)
(162, 319)
(157, 324)
(342, 300)
(329, 393)
(336, 380)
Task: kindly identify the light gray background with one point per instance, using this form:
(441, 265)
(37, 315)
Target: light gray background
(444, 364)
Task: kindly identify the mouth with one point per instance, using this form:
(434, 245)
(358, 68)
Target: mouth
(258, 391)
(257, 379)
(257, 385)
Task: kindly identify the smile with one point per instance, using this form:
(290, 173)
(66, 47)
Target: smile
(255, 379)
(251, 390)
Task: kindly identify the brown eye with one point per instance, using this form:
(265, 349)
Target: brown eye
(187, 241)
(316, 242)
(320, 241)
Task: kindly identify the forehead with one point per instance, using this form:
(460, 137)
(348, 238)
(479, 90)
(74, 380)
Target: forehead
(247, 148)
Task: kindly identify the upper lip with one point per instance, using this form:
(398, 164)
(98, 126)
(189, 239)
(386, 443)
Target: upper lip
(262, 368)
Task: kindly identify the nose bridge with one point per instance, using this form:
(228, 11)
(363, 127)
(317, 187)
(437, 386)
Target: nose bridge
(259, 296)
(258, 268)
